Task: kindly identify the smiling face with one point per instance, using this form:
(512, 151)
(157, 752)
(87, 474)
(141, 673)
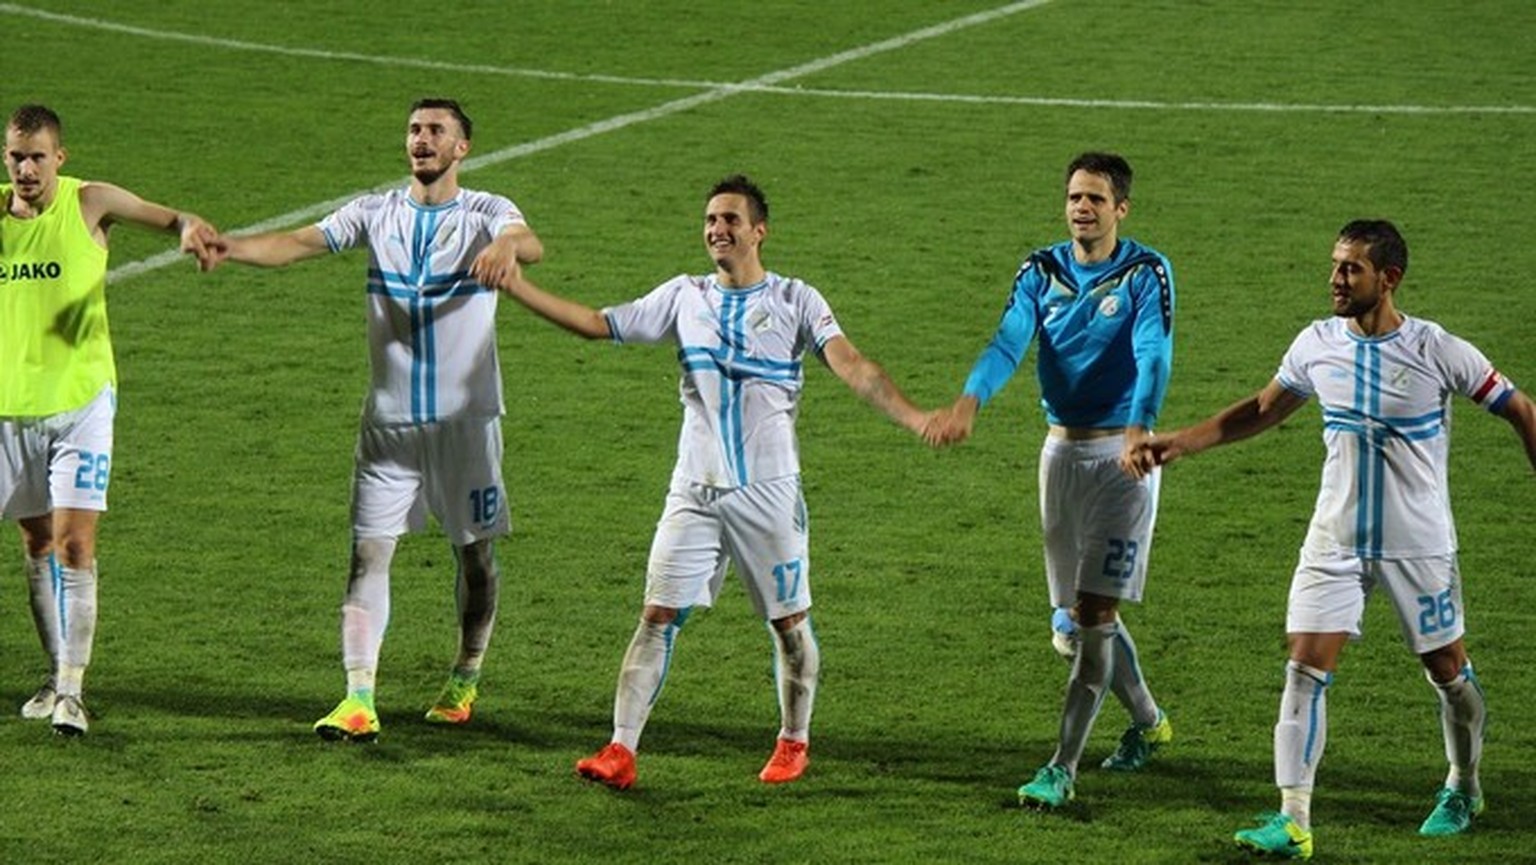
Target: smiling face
(1093, 214)
(32, 160)
(434, 143)
(733, 238)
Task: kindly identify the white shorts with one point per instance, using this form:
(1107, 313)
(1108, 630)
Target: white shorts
(1328, 594)
(1096, 521)
(59, 461)
(760, 527)
(452, 468)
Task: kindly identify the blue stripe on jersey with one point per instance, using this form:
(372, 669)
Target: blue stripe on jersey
(725, 384)
(1363, 446)
(733, 345)
(375, 288)
(429, 316)
(1425, 426)
(414, 307)
(423, 347)
(701, 359)
(1378, 460)
(441, 285)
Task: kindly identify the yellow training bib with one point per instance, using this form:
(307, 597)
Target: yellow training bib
(55, 351)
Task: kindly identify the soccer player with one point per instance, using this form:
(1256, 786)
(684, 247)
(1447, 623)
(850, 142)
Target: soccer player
(1383, 516)
(1101, 307)
(58, 386)
(431, 427)
(735, 495)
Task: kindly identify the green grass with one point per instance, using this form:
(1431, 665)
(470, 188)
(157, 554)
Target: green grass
(223, 555)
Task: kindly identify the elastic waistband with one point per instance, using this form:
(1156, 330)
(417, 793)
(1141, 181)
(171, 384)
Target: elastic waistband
(1083, 433)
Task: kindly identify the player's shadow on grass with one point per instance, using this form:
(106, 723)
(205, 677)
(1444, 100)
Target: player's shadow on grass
(1184, 775)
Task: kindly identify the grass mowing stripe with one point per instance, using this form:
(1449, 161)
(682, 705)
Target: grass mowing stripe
(581, 133)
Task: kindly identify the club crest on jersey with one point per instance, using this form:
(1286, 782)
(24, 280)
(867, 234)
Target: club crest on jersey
(1399, 377)
(1109, 306)
(760, 321)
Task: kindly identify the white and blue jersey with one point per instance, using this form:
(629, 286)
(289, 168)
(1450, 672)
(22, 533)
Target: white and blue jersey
(1386, 425)
(1105, 331)
(431, 326)
(740, 350)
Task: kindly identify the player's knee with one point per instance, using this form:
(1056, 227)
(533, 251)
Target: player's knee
(478, 559)
(789, 621)
(37, 535)
(75, 551)
(1095, 610)
(659, 615)
(372, 555)
(1445, 664)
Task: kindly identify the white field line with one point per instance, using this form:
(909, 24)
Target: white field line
(714, 93)
(346, 56)
(1153, 105)
(764, 85)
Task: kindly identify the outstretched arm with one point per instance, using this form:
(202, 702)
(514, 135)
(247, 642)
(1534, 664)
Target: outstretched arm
(273, 248)
(1241, 420)
(1521, 414)
(577, 318)
(869, 381)
(103, 204)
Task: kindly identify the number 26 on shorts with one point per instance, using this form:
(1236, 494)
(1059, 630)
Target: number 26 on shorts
(1436, 613)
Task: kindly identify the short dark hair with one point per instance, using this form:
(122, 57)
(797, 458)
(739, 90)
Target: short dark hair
(1385, 246)
(451, 106)
(32, 119)
(740, 184)
(1110, 165)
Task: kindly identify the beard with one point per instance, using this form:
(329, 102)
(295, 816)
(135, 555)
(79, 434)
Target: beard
(1355, 306)
(429, 176)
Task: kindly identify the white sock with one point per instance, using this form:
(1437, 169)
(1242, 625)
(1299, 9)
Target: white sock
(1092, 670)
(1296, 803)
(365, 612)
(77, 626)
(1127, 683)
(44, 589)
(1462, 714)
(640, 679)
(475, 591)
(797, 665)
(1300, 735)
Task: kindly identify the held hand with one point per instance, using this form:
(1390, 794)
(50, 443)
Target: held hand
(1148, 452)
(951, 425)
(496, 266)
(920, 422)
(202, 241)
(218, 249)
(934, 428)
(511, 280)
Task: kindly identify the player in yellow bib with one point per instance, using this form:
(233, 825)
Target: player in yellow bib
(58, 385)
